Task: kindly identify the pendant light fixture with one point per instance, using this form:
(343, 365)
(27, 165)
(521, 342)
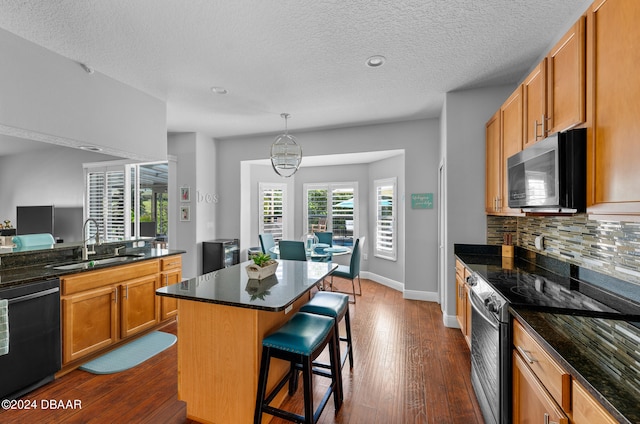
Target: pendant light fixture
(286, 154)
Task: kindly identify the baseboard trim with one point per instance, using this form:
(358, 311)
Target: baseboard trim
(396, 285)
(450, 321)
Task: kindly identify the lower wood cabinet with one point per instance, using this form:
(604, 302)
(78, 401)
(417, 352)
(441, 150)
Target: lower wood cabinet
(586, 409)
(170, 273)
(89, 322)
(139, 305)
(100, 308)
(532, 403)
(463, 306)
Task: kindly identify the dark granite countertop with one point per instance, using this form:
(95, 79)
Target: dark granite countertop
(42, 269)
(600, 350)
(231, 286)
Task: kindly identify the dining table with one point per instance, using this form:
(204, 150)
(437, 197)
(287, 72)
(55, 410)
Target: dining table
(319, 252)
(222, 318)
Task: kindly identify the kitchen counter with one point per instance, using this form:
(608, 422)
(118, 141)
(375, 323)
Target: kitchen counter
(37, 265)
(602, 354)
(596, 344)
(231, 286)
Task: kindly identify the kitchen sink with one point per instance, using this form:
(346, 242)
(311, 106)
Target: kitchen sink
(94, 263)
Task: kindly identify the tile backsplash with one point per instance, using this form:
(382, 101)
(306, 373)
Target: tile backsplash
(608, 247)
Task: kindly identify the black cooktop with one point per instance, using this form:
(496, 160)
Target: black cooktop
(527, 284)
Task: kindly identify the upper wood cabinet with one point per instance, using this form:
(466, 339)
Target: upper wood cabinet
(493, 189)
(535, 101)
(504, 135)
(511, 135)
(613, 60)
(554, 92)
(566, 69)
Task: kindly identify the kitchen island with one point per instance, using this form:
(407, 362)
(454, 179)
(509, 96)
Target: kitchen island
(223, 318)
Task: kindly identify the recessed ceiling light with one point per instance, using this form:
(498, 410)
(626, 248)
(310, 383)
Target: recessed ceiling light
(91, 148)
(219, 90)
(376, 61)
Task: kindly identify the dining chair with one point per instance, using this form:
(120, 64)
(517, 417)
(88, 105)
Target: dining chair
(266, 243)
(350, 272)
(292, 250)
(325, 237)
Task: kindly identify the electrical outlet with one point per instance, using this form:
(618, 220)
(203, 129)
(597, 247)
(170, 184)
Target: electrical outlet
(364, 256)
(539, 242)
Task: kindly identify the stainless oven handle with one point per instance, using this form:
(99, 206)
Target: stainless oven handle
(479, 307)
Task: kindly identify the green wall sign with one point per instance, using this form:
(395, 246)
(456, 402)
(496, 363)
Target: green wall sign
(422, 201)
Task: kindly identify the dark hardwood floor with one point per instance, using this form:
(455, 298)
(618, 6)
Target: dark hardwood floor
(408, 368)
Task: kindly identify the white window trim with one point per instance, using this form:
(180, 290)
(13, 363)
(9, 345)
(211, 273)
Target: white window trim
(388, 254)
(262, 187)
(330, 187)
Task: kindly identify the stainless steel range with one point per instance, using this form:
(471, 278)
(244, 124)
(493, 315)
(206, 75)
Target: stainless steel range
(493, 291)
(490, 350)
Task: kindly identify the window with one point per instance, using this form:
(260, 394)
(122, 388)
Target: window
(127, 200)
(272, 198)
(332, 207)
(105, 201)
(386, 237)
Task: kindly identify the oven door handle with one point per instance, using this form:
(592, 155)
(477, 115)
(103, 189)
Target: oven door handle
(476, 303)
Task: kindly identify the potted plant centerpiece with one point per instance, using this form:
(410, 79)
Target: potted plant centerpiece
(262, 266)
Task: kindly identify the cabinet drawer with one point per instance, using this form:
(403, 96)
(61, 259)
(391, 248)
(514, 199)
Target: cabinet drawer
(172, 262)
(552, 376)
(89, 280)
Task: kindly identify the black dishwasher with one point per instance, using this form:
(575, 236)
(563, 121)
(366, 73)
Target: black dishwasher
(34, 337)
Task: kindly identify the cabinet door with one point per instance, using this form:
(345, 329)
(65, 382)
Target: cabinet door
(586, 409)
(535, 104)
(90, 322)
(531, 401)
(169, 305)
(566, 80)
(493, 187)
(511, 136)
(613, 173)
(460, 303)
(139, 305)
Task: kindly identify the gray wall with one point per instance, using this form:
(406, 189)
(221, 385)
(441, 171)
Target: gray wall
(463, 152)
(419, 139)
(45, 95)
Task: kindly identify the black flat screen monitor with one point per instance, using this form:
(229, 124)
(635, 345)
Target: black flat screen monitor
(34, 220)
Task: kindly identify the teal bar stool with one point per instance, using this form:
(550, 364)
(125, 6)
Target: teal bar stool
(335, 305)
(300, 341)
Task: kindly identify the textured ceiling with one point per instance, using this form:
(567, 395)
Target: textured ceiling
(304, 57)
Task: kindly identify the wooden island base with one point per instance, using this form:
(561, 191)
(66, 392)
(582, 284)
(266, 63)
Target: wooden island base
(219, 350)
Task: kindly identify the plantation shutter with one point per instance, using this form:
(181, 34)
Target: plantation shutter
(386, 239)
(272, 201)
(105, 202)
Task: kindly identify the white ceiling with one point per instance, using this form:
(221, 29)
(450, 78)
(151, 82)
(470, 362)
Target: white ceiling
(304, 57)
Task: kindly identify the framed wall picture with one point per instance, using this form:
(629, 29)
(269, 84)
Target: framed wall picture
(185, 194)
(185, 213)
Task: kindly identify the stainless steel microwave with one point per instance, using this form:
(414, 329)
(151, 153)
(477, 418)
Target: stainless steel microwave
(550, 176)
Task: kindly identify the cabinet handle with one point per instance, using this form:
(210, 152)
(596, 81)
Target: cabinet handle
(115, 298)
(526, 356)
(166, 279)
(544, 126)
(126, 292)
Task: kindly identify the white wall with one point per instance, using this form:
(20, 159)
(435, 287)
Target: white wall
(465, 115)
(51, 176)
(419, 139)
(53, 98)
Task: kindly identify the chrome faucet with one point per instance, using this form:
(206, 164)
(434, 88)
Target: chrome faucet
(85, 245)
